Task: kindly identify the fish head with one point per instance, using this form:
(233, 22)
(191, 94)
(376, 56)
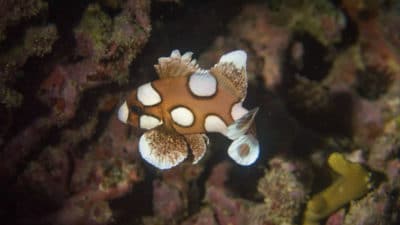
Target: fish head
(130, 110)
(141, 108)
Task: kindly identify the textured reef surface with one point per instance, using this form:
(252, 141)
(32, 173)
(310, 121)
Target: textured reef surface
(325, 74)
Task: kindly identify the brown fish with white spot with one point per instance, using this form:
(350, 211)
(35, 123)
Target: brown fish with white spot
(187, 102)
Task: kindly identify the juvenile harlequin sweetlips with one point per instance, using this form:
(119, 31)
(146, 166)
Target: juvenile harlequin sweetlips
(185, 103)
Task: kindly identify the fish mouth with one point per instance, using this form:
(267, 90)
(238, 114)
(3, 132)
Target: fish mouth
(123, 112)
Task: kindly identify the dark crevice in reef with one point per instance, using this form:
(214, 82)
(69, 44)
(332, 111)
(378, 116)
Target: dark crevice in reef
(66, 15)
(349, 34)
(304, 72)
(315, 62)
(138, 202)
(303, 78)
(30, 77)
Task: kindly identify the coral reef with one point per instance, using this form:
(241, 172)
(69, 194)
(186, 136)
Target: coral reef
(105, 172)
(227, 209)
(67, 160)
(373, 209)
(172, 194)
(283, 191)
(325, 74)
(36, 40)
(15, 12)
(204, 217)
(318, 17)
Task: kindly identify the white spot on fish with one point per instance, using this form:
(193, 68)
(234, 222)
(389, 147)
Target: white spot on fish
(238, 111)
(182, 116)
(147, 95)
(214, 123)
(203, 84)
(149, 122)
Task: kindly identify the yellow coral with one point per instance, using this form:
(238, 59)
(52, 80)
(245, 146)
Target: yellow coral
(353, 182)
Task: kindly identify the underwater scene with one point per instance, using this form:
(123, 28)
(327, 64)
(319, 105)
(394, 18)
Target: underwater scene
(200, 112)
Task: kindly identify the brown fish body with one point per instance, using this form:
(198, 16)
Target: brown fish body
(175, 93)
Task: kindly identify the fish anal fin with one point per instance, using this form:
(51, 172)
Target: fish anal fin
(176, 65)
(163, 148)
(198, 144)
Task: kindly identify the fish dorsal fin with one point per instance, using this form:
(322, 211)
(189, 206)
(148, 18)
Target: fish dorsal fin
(231, 72)
(176, 65)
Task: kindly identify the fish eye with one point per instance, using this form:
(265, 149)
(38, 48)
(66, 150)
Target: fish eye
(137, 110)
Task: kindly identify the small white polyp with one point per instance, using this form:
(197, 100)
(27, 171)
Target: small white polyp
(202, 84)
(187, 56)
(238, 58)
(235, 151)
(175, 53)
(182, 116)
(149, 122)
(123, 112)
(213, 123)
(147, 95)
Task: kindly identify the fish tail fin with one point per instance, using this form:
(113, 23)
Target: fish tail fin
(245, 147)
(244, 150)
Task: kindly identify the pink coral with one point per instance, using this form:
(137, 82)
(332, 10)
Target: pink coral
(227, 209)
(336, 218)
(18, 149)
(167, 202)
(204, 217)
(269, 42)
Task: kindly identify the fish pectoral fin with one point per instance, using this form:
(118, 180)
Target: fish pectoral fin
(176, 65)
(244, 150)
(198, 144)
(163, 148)
(241, 125)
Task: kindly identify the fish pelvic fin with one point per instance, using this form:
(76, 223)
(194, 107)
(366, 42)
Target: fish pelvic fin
(163, 148)
(198, 145)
